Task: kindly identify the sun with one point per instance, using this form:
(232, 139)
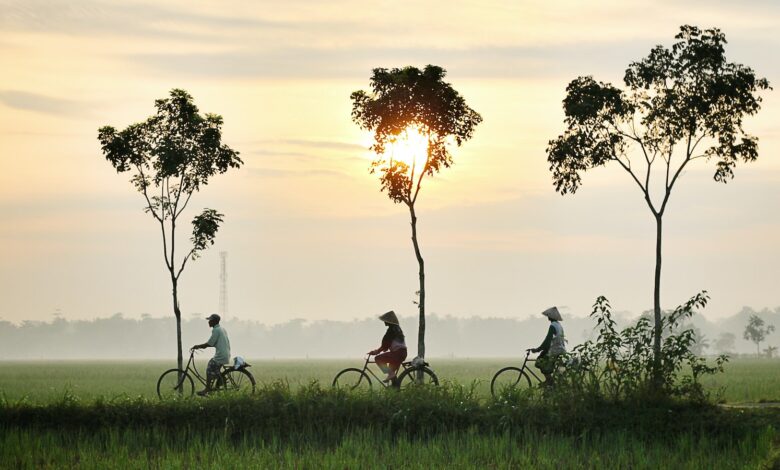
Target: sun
(410, 147)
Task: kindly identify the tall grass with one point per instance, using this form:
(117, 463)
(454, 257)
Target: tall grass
(324, 413)
(153, 448)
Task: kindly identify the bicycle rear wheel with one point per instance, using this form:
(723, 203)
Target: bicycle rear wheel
(352, 379)
(417, 376)
(175, 383)
(237, 381)
(508, 380)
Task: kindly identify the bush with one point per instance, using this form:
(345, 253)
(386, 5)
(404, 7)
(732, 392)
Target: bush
(619, 364)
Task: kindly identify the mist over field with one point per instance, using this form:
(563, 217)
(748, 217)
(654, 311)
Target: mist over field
(117, 337)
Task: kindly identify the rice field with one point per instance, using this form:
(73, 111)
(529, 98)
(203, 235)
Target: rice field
(744, 381)
(106, 415)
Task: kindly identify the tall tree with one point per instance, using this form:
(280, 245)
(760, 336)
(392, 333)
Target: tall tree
(171, 155)
(756, 331)
(678, 105)
(409, 100)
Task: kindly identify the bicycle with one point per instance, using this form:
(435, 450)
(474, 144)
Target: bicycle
(353, 378)
(178, 383)
(515, 378)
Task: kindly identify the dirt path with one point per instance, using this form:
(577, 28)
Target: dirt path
(769, 404)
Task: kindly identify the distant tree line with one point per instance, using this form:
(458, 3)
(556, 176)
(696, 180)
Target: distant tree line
(118, 337)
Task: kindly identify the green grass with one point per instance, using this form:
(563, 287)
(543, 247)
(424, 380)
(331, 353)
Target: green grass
(106, 415)
(151, 448)
(316, 427)
(745, 380)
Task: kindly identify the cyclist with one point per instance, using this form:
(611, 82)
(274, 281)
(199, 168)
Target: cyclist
(552, 346)
(219, 341)
(393, 343)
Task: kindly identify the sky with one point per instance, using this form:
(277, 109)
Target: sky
(307, 231)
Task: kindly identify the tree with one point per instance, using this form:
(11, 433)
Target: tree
(678, 105)
(770, 351)
(408, 101)
(171, 155)
(725, 343)
(757, 330)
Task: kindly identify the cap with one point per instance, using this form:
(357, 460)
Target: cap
(214, 316)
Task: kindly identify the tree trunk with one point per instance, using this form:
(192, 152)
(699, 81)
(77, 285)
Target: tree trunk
(421, 303)
(177, 314)
(657, 304)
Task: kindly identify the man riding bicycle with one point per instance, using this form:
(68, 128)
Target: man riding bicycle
(220, 342)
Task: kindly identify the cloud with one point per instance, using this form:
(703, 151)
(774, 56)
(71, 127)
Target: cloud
(280, 173)
(322, 144)
(42, 104)
(317, 62)
(98, 18)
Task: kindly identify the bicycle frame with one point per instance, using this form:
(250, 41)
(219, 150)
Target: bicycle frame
(528, 369)
(370, 371)
(191, 369)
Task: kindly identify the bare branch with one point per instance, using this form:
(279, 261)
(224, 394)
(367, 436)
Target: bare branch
(184, 263)
(149, 206)
(638, 183)
(184, 206)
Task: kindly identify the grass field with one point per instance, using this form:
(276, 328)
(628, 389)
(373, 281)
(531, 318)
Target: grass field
(105, 415)
(745, 380)
(150, 449)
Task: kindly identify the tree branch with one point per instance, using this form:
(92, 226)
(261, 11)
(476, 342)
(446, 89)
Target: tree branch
(638, 183)
(186, 201)
(156, 216)
(184, 263)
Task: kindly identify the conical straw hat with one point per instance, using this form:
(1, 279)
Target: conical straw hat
(553, 314)
(390, 317)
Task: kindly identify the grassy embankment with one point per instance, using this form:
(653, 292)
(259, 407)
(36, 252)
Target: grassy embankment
(311, 426)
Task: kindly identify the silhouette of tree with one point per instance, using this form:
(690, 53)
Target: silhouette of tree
(171, 155)
(678, 105)
(757, 330)
(404, 99)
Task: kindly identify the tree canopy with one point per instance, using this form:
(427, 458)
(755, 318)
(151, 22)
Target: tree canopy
(410, 98)
(172, 154)
(687, 96)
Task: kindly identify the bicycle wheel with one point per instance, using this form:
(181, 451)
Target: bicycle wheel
(169, 385)
(509, 379)
(417, 376)
(237, 381)
(352, 379)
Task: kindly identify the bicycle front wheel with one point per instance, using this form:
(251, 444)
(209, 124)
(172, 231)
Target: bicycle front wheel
(237, 381)
(352, 379)
(417, 376)
(508, 380)
(175, 383)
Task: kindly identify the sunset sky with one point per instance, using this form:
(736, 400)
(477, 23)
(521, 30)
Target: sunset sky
(308, 232)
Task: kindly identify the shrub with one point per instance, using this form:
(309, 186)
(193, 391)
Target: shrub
(619, 364)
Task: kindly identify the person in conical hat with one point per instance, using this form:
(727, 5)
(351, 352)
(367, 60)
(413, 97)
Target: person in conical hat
(392, 349)
(554, 345)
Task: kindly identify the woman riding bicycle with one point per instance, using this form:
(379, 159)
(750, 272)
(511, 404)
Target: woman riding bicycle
(552, 346)
(393, 343)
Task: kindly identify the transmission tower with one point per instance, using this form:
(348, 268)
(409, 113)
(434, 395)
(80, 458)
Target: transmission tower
(223, 298)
